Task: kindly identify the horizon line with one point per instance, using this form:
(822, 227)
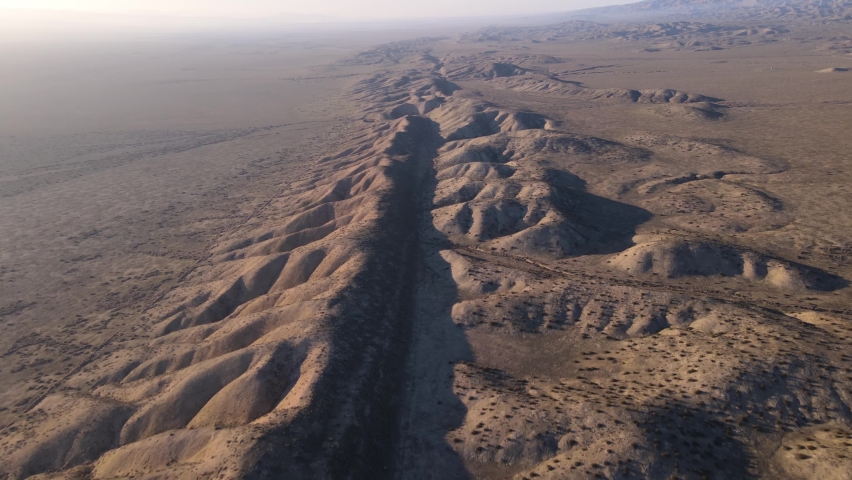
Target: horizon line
(284, 14)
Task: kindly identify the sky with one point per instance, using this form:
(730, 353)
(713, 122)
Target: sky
(344, 9)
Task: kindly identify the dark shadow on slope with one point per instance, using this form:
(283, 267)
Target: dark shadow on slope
(820, 280)
(686, 442)
(353, 427)
(430, 408)
(613, 223)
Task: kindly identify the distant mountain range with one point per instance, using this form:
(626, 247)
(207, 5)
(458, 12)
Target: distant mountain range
(807, 10)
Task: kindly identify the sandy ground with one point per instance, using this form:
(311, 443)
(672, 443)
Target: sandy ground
(540, 252)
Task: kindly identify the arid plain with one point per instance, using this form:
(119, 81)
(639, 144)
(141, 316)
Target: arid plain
(592, 249)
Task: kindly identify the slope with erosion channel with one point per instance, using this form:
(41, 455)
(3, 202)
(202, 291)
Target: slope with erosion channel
(279, 348)
(461, 291)
(539, 81)
(551, 341)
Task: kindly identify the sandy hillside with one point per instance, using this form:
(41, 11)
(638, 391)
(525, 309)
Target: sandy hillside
(585, 250)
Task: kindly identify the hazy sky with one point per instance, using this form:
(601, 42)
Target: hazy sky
(341, 8)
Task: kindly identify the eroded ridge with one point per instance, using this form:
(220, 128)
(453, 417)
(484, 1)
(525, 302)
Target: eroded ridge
(279, 348)
(570, 320)
(470, 289)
